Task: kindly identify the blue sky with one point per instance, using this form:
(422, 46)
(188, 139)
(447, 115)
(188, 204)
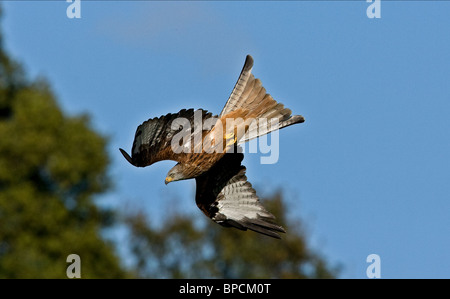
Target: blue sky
(369, 170)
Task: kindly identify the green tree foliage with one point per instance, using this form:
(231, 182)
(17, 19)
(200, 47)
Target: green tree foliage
(181, 248)
(51, 166)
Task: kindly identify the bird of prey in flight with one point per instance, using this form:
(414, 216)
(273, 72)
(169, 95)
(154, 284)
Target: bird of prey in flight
(213, 156)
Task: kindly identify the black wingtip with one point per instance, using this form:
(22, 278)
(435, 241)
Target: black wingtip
(294, 119)
(257, 225)
(248, 62)
(264, 227)
(298, 119)
(125, 154)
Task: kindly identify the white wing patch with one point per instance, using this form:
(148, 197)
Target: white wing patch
(239, 206)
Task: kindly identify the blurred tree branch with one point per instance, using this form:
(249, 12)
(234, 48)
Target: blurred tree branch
(182, 249)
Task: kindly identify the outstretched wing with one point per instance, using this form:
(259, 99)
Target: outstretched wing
(224, 195)
(250, 97)
(153, 139)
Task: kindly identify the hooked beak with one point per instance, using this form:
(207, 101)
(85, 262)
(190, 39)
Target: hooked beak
(168, 180)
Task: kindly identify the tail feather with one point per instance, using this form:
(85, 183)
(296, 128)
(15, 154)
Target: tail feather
(258, 128)
(250, 99)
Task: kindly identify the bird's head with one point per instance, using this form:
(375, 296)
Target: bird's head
(175, 174)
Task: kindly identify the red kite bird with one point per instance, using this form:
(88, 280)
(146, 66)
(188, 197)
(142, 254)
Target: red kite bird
(212, 156)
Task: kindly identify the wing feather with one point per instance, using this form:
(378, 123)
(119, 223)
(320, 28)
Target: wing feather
(153, 138)
(224, 194)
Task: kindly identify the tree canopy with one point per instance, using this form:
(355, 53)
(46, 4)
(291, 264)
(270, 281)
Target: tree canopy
(51, 166)
(184, 248)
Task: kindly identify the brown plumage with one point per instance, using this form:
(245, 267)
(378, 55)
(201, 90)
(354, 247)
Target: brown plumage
(212, 157)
